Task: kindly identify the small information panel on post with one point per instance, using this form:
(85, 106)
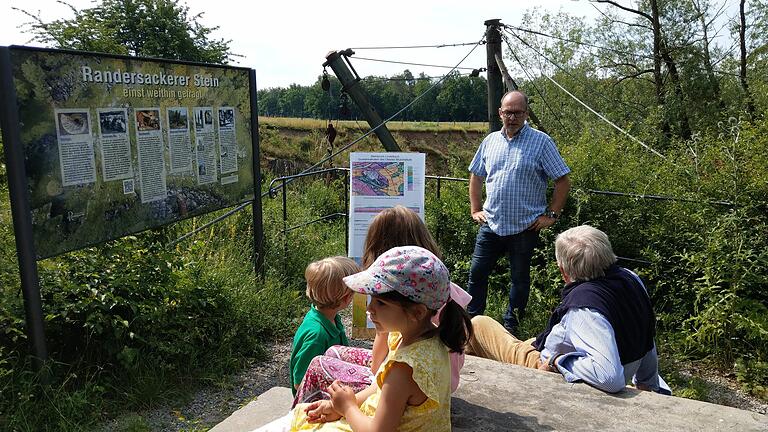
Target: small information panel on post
(115, 145)
(379, 181)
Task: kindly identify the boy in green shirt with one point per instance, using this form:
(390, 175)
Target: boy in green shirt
(321, 327)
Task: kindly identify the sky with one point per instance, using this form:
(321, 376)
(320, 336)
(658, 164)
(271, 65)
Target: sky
(286, 41)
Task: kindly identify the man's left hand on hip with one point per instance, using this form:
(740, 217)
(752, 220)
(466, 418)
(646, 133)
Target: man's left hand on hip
(541, 222)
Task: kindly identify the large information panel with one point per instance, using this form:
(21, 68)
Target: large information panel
(117, 145)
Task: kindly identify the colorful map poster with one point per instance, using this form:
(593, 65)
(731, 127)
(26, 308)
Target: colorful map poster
(379, 181)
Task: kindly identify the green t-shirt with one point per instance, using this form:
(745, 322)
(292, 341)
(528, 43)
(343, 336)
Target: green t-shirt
(315, 335)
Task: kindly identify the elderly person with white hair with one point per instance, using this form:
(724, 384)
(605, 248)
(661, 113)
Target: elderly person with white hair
(602, 332)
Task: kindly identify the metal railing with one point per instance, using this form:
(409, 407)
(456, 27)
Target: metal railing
(285, 180)
(282, 183)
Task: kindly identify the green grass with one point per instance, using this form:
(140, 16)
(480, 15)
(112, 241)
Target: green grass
(394, 126)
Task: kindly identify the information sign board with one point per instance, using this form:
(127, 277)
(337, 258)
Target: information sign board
(114, 145)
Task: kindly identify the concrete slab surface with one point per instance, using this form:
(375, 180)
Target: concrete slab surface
(270, 405)
(499, 397)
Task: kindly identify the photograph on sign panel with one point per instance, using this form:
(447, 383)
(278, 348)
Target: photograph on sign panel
(177, 118)
(112, 122)
(148, 120)
(226, 117)
(73, 123)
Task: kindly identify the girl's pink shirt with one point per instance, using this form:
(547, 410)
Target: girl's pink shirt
(457, 359)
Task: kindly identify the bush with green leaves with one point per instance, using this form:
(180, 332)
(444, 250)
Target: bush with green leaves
(133, 323)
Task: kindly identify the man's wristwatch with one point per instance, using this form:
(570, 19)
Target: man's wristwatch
(551, 214)
(552, 362)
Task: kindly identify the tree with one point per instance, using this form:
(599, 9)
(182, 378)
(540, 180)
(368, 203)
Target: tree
(743, 58)
(322, 104)
(291, 101)
(268, 102)
(426, 107)
(649, 16)
(462, 98)
(149, 28)
(701, 6)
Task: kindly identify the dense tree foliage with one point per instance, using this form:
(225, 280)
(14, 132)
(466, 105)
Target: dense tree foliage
(456, 97)
(679, 87)
(149, 28)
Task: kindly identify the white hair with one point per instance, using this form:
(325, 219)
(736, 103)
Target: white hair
(584, 253)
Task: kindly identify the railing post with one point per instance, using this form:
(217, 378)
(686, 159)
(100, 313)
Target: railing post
(440, 212)
(346, 211)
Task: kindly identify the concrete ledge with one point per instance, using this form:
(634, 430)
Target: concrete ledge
(499, 397)
(270, 405)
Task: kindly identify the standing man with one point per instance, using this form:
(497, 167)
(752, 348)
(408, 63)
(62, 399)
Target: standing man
(516, 164)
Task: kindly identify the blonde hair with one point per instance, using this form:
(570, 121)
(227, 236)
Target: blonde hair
(584, 253)
(324, 280)
(393, 227)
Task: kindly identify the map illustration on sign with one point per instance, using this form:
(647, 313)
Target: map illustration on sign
(379, 181)
(385, 179)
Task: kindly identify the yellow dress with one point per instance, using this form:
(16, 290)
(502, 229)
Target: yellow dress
(432, 373)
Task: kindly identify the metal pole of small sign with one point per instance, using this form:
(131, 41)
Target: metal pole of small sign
(258, 226)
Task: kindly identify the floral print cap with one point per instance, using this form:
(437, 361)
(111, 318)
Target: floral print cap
(410, 270)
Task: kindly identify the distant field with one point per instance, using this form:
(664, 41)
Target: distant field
(395, 126)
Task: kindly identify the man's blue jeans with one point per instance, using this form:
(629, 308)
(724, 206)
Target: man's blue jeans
(489, 247)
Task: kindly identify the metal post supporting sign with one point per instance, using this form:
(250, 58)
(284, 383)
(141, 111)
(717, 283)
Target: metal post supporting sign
(20, 210)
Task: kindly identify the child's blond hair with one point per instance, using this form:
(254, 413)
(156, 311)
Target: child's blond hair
(324, 280)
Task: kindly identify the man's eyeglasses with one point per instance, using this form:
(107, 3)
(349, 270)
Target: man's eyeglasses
(513, 114)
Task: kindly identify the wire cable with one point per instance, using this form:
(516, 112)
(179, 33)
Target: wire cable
(602, 117)
(415, 46)
(533, 83)
(647, 147)
(387, 120)
(525, 30)
(575, 78)
(373, 78)
(416, 64)
(565, 71)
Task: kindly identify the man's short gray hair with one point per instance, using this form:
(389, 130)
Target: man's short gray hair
(584, 253)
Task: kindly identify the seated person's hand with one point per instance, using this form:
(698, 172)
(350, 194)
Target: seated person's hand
(546, 367)
(321, 412)
(342, 397)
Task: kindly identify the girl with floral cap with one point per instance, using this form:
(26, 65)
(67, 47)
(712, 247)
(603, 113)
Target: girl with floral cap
(411, 391)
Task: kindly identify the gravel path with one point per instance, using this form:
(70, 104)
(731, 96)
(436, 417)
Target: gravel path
(210, 406)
